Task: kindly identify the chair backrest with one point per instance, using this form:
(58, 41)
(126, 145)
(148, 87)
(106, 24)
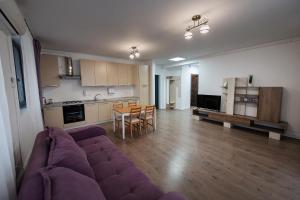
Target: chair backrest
(149, 111)
(118, 105)
(135, 112)
(132, 104)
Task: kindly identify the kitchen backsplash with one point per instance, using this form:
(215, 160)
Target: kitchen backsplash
(72, 90)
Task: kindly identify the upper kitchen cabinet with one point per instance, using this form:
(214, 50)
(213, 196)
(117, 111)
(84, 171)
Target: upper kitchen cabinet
(112, 74)
(100, 73)
(49, 71)
(128, 74)
(132, 74)
(123, 74)
(87, 70)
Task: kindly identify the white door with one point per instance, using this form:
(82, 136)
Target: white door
(11, 91)
(8, 128)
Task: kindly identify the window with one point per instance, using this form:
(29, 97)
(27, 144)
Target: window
(17, 52)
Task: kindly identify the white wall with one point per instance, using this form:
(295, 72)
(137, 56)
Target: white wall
(30, 118)
(72, 89)
(271, 65)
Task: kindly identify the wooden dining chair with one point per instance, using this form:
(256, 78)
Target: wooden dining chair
(134, 119)
(118, 117)
(148, 118)
(132, 104)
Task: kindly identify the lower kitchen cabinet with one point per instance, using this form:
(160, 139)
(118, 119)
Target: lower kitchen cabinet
(104, 112)
(91, 113)
(53, 117)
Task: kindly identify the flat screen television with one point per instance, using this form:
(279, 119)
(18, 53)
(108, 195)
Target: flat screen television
(211, 102)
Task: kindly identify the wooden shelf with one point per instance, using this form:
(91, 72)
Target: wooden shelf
(243, 121)
(248, 102)
(245, 87)
(247, 95)
(66, 77)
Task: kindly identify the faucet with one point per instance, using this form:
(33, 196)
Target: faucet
(95, 98)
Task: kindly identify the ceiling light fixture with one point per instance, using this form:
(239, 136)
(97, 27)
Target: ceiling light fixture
(199, 21)
(134, 53)
(176, 59)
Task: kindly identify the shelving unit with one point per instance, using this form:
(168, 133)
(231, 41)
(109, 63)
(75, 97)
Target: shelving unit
(245, 98)
(256, 108)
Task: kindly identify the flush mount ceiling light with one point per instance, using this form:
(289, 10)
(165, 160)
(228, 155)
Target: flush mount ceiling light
(199, 21)
(176, 59)
(134, 53)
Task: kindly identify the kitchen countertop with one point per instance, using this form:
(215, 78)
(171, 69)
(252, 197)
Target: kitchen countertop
(59, 104)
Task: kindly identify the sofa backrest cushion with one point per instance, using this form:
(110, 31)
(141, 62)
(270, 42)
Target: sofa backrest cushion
(65, 184)
(53, 132)
(65, 152)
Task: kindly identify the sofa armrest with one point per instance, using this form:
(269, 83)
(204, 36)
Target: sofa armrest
(172, 196)
(86, 132)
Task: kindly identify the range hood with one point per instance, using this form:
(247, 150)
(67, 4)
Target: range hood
(69, 70)
(69, 66)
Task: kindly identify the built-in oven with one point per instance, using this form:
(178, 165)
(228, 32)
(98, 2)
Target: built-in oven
(73, 113)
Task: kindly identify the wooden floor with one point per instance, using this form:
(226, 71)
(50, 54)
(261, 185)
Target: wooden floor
(206, 161)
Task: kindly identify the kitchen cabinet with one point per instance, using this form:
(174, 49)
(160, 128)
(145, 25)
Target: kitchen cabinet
(53, 117)
(132, 74)
(123, 74)
(87, 70)
(112, 74)
(100, 73)
(91, 113)
(144, 84)
(104, 112)
(49, 71)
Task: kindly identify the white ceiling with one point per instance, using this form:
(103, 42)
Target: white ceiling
(110, 27)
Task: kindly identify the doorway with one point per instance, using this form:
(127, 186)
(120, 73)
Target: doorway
(194, 89)
(157, 91)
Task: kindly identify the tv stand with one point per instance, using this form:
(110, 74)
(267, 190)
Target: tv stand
(275, 130)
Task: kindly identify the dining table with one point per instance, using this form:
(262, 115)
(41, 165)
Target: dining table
(124, 112)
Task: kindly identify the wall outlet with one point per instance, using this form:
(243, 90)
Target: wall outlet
(84, 92)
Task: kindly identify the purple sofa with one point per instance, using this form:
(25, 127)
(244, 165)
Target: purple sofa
(84, 164)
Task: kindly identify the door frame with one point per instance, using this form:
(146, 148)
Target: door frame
(193, 75)
(157, 79)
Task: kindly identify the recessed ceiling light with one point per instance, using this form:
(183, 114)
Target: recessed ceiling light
(176, 59)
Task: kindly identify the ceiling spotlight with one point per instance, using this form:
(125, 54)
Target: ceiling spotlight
(199, 21)
(134, 53)
(204, 29)
(188, 35)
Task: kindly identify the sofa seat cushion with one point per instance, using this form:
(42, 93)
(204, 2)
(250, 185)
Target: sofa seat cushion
(118, 178)
(66, 153)
(65, 184)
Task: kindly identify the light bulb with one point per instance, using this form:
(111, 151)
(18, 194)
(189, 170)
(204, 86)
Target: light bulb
(204, 29)
(131, 56)
(137, 54)
(188, 35)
